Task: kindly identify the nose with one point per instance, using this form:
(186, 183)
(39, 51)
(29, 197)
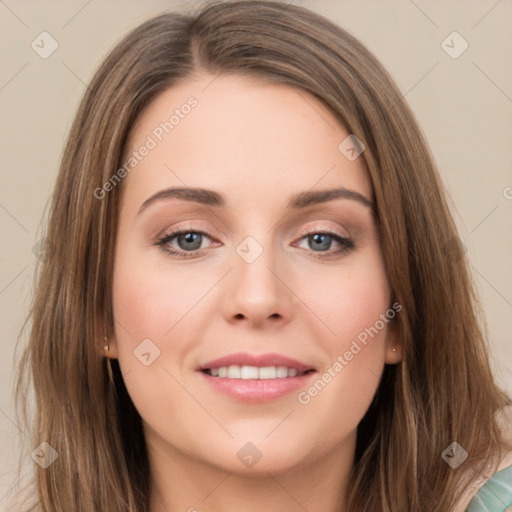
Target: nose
(259, 291)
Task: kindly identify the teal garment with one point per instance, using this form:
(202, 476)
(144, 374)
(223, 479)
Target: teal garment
(495, 495)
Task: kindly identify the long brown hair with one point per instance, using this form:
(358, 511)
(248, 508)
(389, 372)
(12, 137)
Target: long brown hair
(442, 390)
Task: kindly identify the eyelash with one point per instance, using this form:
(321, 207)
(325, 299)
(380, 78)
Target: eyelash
(347, 244)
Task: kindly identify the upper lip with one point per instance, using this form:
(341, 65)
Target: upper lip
(260, 360)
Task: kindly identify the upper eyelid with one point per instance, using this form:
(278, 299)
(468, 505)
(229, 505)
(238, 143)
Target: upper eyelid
(206, 231)
(203, 228)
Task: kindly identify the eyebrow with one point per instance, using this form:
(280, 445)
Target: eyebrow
(301, 200)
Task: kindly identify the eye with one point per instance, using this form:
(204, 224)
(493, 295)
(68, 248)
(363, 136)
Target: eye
(188, 240)
(321, 241)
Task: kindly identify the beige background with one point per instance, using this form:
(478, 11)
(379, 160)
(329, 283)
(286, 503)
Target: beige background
(463, 104)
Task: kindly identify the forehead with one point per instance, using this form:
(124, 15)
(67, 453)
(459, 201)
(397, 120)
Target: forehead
(253, 139)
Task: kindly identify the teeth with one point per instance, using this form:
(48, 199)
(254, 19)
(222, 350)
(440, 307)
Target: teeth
(249, 372)
(233, 372)
(268, 372)
(254, 372)
(282, 371)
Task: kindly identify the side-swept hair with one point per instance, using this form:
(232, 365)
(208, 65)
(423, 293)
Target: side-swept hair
(442, 390)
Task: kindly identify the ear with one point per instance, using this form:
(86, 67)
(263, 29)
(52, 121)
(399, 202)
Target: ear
(393, 354)
(110, 342)
(394, 347)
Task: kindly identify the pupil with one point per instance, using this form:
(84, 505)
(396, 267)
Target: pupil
(317, 239)
(190, 238)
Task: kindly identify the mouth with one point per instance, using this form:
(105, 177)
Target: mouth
(255, 372)
(248, 366)
(256, 378)
(242, 385)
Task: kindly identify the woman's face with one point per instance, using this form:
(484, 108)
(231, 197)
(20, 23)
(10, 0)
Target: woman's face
(265, 269)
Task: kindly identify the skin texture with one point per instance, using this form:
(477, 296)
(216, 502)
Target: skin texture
(257, 144)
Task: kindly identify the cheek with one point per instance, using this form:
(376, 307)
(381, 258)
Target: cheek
(348, 300)
(148, 309)
(355, 310)
(156, 325)
(148, 301)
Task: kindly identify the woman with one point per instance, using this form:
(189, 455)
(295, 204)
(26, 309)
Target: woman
(256, 296)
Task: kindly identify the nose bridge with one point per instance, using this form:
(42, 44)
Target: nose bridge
(258, 291)
(255, 259)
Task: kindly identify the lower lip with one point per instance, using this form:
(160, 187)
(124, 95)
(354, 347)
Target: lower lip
(256, 390)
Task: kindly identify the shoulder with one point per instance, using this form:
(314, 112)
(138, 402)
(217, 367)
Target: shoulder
(495, 495)
(492, 492)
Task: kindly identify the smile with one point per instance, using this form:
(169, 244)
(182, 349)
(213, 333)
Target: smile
(254, 372)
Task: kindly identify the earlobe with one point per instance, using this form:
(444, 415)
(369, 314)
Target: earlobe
(394, 346)
(393, 353)
(109, 347)
(107, 343)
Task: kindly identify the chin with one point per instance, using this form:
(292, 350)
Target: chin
(256, 455)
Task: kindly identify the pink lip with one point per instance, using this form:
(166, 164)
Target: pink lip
(245, 359)
(255, 390)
